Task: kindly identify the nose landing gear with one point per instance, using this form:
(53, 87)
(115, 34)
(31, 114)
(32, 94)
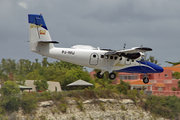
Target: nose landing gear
(145, 79)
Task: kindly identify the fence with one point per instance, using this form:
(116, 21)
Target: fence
(166, 93)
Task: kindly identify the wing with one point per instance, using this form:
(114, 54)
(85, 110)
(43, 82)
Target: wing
(133, 50)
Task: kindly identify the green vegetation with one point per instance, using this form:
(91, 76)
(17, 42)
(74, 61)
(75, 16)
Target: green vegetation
(44, 71)
(167, 107)
(123, 87)
(41, 85)
(29, 102)
(65, 73)
(177, 75)
(152, 59)
(80, 104)
(102, 107)
(9, 88)
(173, 63)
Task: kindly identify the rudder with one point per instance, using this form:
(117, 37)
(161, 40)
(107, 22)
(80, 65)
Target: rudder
(38, 32)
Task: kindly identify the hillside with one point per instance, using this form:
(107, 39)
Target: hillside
(93, 109)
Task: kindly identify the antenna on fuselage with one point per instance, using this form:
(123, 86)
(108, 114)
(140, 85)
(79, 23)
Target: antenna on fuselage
(124, 46)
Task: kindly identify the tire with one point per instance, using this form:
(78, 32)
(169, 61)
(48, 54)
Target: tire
(99, 75)
(112, 76)
(145, 80)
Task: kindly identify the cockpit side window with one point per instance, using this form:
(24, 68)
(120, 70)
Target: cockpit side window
(102, 56)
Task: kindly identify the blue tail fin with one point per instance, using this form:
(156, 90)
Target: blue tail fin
(38, 33)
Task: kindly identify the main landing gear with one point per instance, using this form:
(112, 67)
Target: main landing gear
(111, 75)
(100, 75)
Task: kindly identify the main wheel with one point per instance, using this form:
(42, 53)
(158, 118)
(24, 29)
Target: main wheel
(145, 80)
(99, 75)
(112, 76)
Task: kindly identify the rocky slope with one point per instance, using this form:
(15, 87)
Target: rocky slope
(101, 109)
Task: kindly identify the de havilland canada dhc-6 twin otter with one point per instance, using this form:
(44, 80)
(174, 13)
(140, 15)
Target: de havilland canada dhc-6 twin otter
(126, 60)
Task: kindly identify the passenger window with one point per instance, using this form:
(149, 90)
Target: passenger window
(111, 57)
(132, 60)
(127, 59)
(120, 58)
(102, 56)
(115, 57)
(107, 56)
(94, 56)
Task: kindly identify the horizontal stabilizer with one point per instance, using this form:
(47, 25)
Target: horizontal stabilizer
(48, 42)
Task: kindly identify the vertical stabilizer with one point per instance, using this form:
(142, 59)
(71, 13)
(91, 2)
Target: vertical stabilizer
(39, 36)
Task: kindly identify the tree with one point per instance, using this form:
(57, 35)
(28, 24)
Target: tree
(8, 65)
(41, 85)
(34, 75)
(123, 87)
(36, 65)
(73, 75)
(177, 75)
(20, 79)
(24, 67)
(45, 62)
(68, 65)
(152, 59)
(179, 84)
(173, 63)
(10, 88)
(29, 102)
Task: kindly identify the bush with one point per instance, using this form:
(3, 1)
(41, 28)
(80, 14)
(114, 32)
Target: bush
(62, 107)
(9, 88)
(173, 89)
(45, 96)
(123, 107)
(102, 106)
(89, 94)
(29, 102)
(13, 104)
(9, 103)
(123, 87)
(2, 111)
(167, 107)
(132, 94)
(80, 104)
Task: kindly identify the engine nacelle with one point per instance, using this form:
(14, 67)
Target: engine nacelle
(131, 55)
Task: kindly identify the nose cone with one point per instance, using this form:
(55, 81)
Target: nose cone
(155, 68)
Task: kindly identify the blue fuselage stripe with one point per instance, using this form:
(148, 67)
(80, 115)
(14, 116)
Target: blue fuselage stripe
(143, 67)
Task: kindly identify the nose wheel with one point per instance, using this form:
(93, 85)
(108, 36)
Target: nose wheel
(145, 79)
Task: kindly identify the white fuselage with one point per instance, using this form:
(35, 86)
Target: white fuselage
(90, 58)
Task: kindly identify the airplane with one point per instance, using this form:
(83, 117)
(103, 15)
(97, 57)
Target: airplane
(125, 60)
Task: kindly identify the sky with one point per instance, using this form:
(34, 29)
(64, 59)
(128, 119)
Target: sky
(99, 23)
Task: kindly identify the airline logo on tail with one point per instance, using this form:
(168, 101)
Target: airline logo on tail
(42, 32)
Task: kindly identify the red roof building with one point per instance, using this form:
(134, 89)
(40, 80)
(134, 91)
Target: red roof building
(175, 68)
(159, 83)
